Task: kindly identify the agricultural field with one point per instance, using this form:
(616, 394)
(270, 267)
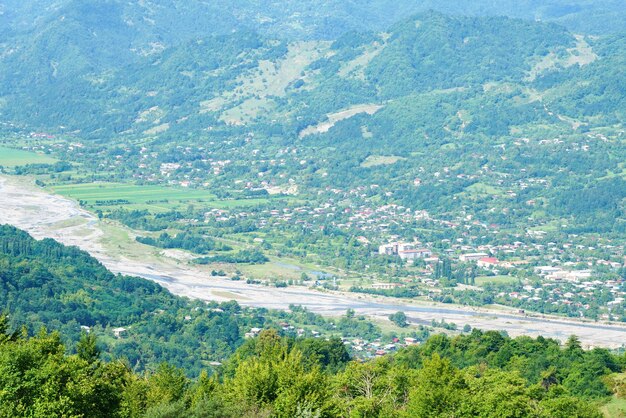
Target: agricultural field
(286, 268)
(482, 189)
(483, 280)
(150, 197)
(10, 157)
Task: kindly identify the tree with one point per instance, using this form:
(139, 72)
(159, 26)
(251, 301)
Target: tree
(399, 318)
(87, 349)
(439, 390)
(167, 385)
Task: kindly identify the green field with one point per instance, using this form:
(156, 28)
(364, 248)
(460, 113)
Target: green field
(10, 157)
(481, 189)
(376, 160)
(151, 197)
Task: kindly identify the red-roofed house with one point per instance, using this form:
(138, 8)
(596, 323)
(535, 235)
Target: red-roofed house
(487, 262)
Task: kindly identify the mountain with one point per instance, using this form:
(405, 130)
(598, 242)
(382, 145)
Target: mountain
(90, 69)
(443, 88)
(327, 19)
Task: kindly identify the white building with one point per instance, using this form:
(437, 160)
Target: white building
(414, 254)
(472, 256)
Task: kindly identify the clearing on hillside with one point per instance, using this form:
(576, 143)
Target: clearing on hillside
(377, 160)
(582, 54)
(333, 118)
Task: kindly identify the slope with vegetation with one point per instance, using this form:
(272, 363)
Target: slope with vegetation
(70, 372)
(477, 375)
(44, 284)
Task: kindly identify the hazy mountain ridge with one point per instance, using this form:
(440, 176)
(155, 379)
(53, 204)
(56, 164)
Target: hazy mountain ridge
(326, 19)
(110, 71)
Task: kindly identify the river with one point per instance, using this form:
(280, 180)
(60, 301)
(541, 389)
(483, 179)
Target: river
(45, 215)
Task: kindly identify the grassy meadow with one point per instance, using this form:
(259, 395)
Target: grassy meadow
(483, 280)
(151, 197)
(11, 157)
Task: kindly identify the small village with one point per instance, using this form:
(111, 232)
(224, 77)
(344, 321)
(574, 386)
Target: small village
(534, 268)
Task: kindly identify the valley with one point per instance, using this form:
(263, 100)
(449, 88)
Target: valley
(312, 208)
(46, 215)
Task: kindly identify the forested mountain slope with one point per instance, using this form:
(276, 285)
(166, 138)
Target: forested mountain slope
(46, 284)
(89, 69)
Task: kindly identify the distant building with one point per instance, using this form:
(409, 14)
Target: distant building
(410, 341)
(253, 333)
(545, 270)
(569, 276)
(487, 262)
(406, 251)
(119, 332)
(413, 254)
(472, 256)
(388, 249)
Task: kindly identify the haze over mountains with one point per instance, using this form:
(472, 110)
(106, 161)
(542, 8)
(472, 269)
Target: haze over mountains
(327, 19)
(107, 55)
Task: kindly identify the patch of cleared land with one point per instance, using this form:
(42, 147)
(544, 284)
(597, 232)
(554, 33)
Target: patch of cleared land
(377, 160)
(92, 192)
(582, 54)
(481, 189)
(153, 197)
(152, 115)
(483, 280)
(10, 157)
(616, 408)
(356, 67)
(157, 129)
(256, 87)
(333, 118)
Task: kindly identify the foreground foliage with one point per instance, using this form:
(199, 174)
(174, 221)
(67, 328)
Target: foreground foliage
(477, 375)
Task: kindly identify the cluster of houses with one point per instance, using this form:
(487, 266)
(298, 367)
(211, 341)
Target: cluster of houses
(360, 348)
(286, 327)
(368, 349)
(370, 222)
(580, 295)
